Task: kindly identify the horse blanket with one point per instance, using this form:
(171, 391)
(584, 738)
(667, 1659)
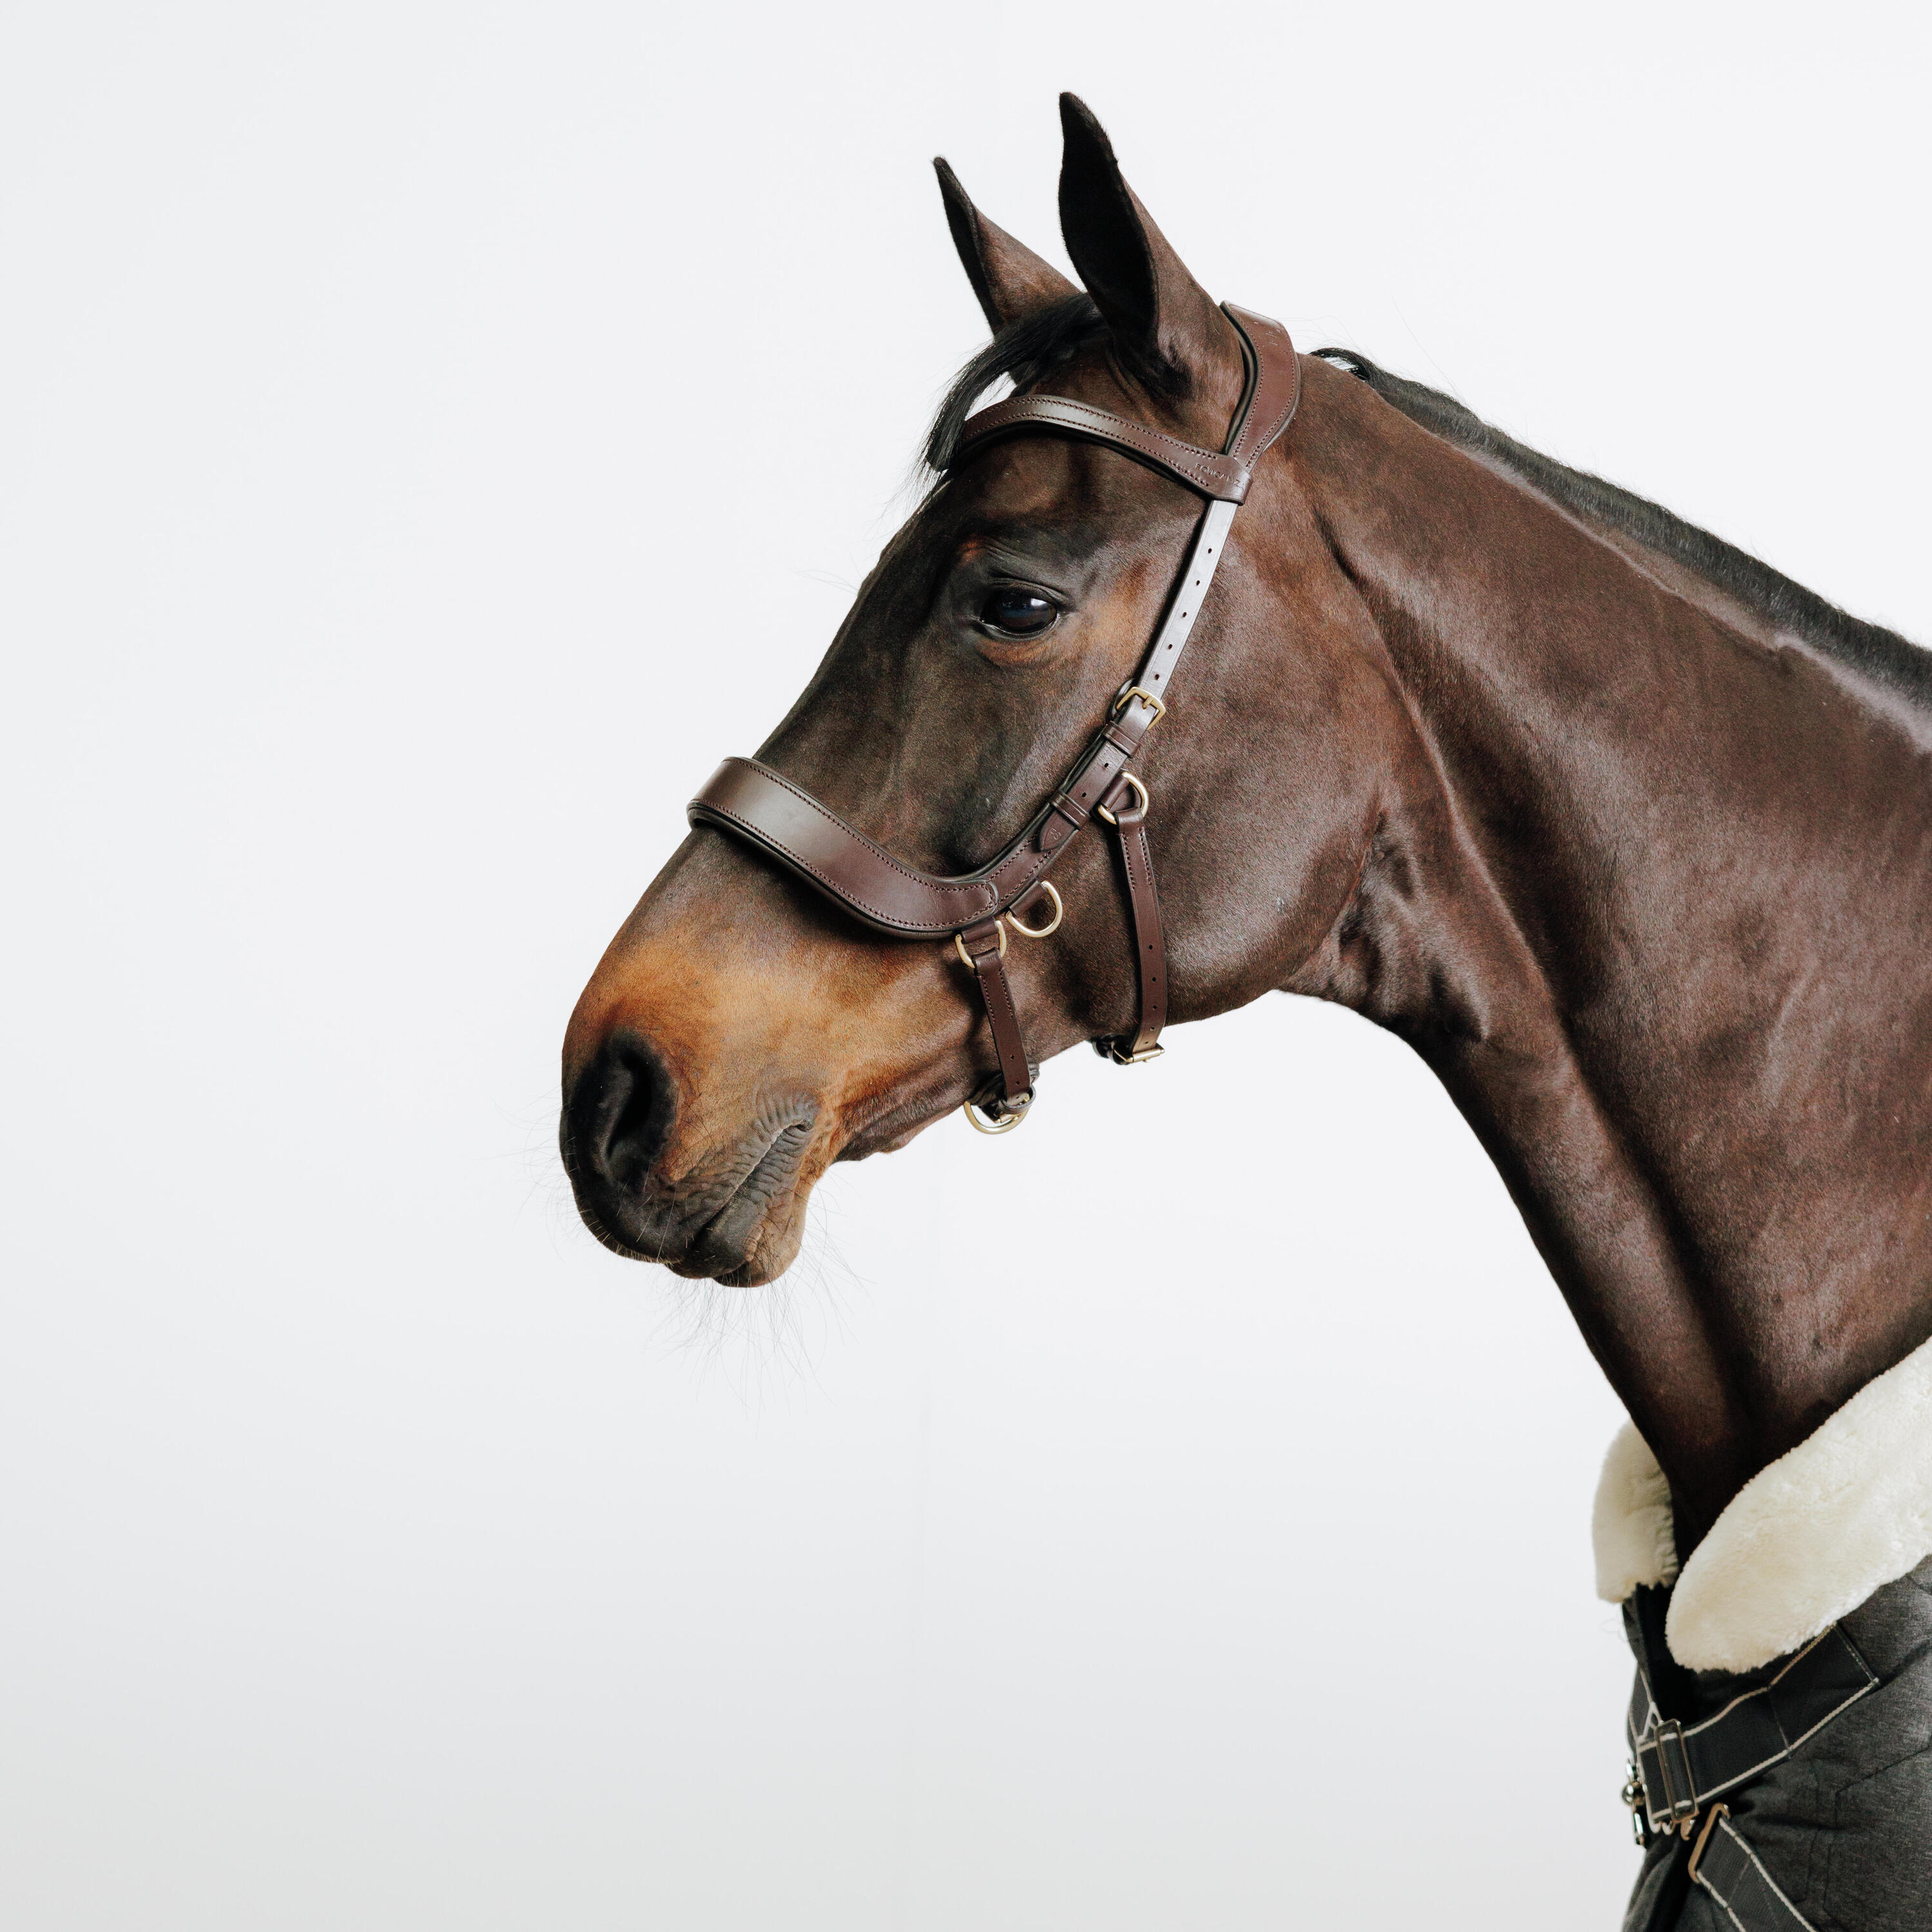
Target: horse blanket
(1781, 1727)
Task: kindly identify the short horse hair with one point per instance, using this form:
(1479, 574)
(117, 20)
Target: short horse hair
(1880, 654)
(1030, 347)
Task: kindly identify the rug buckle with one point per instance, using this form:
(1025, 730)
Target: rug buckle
(1711, 1818)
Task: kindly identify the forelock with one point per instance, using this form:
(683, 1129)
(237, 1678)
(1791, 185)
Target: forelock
(1026, 350)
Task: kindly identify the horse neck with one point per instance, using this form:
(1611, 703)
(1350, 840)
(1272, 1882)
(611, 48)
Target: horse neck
(1647, 894)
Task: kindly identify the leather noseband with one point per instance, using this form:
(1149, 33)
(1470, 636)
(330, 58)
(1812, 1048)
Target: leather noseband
(976, 910)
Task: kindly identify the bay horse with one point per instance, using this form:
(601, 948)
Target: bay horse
(1626, 834)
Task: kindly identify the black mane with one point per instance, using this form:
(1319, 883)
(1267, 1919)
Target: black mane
(1881, 655)
(1031, 348)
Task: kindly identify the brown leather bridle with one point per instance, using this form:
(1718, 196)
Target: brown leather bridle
(976, 909)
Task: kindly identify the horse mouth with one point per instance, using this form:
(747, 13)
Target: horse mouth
(739, 1243)
(731, 1247)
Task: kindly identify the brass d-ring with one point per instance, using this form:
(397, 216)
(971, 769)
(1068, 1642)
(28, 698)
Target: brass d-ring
(966, 958)
(1003, 1123)
(1140, 792)
(1026, 932)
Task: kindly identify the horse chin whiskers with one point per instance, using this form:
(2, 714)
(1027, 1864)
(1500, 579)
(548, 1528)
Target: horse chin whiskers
(764, 1337)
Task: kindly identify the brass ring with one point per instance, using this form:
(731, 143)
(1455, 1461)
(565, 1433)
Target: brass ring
(966, 958)
(1003, 1123)
(1140, 792)
(1026, 932)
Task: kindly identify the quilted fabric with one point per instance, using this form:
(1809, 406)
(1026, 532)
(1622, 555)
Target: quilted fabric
(1844, 1825)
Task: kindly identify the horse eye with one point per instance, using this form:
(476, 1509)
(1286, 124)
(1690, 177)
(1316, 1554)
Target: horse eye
(1018, 612)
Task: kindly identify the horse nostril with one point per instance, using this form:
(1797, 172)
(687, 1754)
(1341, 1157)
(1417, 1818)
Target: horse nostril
(620, 1113)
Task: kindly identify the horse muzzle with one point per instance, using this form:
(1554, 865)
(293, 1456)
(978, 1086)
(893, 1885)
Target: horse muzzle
(735, 1216)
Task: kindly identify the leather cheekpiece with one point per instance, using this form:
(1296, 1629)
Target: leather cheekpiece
(986, 946)
(1144, 910)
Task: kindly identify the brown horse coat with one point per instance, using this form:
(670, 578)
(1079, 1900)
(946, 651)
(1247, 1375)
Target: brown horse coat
(1634, 857)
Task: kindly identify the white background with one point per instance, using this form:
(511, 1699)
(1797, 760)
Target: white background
(383, 565)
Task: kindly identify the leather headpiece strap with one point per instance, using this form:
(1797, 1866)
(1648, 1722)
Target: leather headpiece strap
(976, 909)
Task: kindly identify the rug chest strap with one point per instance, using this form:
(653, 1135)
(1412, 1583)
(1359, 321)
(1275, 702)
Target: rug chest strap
(1678, 1769)
(1682, 1767)
(1732, 1874)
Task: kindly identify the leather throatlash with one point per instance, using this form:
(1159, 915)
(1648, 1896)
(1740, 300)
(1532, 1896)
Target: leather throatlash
(786, 823)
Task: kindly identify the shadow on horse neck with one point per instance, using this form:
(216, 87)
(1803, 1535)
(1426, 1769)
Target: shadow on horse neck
(1633, 857)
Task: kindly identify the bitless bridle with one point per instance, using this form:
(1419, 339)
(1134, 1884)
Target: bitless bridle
(975, 910)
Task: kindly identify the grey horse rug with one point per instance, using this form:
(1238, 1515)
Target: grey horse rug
(1780, 1729)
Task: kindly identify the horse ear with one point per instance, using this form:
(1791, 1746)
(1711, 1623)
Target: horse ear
(1164, 324)
(1008, 278)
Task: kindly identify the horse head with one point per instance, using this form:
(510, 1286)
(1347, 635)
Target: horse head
(742, 1032)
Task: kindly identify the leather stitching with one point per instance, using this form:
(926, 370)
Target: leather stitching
(1254, 450)
(932, 881)
(1210, 471)
(1048, 409)
(760, 836)
(1002, 1015)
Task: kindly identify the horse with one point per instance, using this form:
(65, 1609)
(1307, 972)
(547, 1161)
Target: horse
(1624, 833)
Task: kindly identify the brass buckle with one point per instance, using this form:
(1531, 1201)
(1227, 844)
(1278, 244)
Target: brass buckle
(966, 958)
(1711, 1818)
(1026, 932)
(1140, 792)
(1140, 1059)
(1146, 697)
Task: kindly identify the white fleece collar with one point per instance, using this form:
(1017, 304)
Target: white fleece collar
(1807, 1539)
